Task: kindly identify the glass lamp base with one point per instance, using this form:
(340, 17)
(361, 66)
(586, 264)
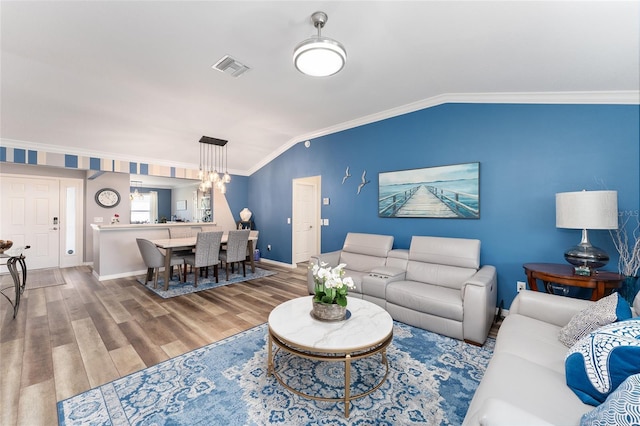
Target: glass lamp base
(585, 258)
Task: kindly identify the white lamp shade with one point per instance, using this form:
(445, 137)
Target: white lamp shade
(587, 210)
(319, 57)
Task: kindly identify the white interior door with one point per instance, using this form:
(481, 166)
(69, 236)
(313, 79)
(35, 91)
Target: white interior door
(306, 218)
(30, 215)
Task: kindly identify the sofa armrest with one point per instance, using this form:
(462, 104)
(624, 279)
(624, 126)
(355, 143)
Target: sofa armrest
(388, 272)
(331, 258)
(550, 308)
(479, 296)
(496, 412)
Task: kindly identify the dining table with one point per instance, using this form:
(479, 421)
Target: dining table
(170, 244)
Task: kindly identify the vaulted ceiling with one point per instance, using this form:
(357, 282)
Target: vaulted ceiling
(133, 80)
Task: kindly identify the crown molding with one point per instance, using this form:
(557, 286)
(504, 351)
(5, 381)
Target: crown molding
(622, 97)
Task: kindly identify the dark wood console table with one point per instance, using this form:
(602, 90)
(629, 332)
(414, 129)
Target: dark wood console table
(602, 283)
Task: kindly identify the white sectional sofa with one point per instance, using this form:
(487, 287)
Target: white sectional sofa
(525, 383)
(437, 284)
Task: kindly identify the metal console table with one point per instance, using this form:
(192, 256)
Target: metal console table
(15, 257)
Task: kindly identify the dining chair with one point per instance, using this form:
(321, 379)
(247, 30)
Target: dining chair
(183, 232)
(236, 250)
(154, 260)
(206, 254)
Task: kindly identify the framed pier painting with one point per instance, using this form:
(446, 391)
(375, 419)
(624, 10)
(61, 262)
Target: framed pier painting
(451, 191)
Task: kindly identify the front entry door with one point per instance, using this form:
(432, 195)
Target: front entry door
(30, 215)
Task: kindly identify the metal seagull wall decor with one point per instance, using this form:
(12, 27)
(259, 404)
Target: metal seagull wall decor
(347, 175)
(364, 182)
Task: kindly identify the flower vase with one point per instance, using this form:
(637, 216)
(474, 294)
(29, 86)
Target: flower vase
(328, 311)
(629, 289)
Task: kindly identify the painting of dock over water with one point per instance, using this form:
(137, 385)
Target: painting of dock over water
(434, 192)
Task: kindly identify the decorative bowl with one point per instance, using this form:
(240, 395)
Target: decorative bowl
(5, 245)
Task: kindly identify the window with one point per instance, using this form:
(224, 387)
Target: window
(141, 209)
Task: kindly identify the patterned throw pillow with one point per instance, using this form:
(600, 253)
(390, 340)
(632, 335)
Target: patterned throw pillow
(621, 408)
(600, 362)
(605, 311)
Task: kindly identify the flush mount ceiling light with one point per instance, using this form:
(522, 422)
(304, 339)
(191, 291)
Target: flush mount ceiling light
(319, 56)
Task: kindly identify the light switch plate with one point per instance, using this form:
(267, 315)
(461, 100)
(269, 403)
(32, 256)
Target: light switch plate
(98, 220)
(325, 201)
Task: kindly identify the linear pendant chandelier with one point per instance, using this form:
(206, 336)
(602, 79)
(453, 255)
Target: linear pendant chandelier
(213, 154)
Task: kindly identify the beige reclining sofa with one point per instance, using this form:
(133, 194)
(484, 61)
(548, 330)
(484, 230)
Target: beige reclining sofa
(437, 284)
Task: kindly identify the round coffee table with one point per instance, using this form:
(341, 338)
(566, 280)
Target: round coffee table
(367, 331)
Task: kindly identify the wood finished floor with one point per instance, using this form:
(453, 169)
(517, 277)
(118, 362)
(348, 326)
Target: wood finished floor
(70, 338)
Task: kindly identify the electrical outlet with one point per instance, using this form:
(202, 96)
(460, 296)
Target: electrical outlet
(521, 285)
(268, 247)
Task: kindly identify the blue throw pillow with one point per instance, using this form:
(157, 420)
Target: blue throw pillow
(622, 407)
(597, 364)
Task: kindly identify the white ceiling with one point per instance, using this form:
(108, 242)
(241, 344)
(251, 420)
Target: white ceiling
(133, 80)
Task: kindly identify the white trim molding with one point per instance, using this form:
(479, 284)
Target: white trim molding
(621, 97)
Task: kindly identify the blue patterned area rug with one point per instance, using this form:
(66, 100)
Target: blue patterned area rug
(178, 288)
(431, 381)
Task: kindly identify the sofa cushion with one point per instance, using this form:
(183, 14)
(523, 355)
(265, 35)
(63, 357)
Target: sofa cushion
(442, 275)
(432, 299)
(621, 408)
(530, 387)
(361, 262)
(368, 244)
(461, 252)
(536, 341)
(356, 276)
(597, 364)
(605, 311)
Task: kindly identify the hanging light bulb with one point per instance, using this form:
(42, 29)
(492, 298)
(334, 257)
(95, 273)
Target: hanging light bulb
(210, 162)
(227, 177)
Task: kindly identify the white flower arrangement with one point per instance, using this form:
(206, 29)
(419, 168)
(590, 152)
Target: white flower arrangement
(331, 286)
(629, 251)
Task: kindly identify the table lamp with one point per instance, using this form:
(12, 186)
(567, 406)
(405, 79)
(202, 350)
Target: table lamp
(586, 210)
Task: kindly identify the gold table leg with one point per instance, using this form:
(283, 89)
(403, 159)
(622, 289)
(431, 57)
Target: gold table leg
(347, 383)
(270, 357)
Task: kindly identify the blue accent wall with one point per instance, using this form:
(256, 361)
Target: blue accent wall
(237, 196)
(527, 154)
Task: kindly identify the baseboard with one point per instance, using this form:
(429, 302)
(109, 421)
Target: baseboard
(121, 275)
(275, 262)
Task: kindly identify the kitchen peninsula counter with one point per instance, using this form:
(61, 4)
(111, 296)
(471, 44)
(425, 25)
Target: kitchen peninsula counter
(115, 251)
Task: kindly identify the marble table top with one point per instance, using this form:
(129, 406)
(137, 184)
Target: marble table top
(368, 325)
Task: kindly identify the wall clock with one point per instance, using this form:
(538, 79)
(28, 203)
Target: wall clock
(107, 197)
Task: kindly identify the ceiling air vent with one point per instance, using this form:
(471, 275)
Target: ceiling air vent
(231, 66)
